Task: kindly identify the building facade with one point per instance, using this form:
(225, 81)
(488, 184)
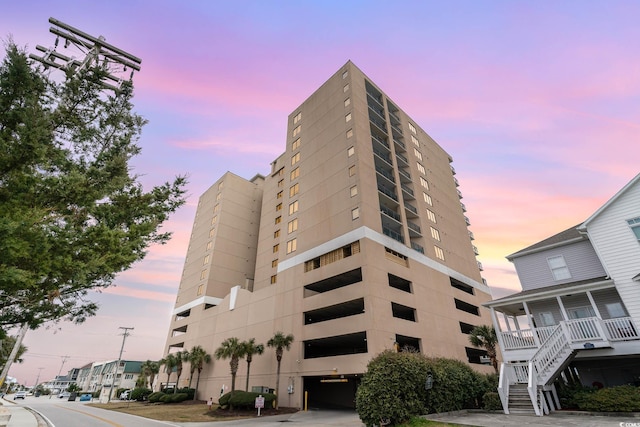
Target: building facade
(577, 316)
(356, 241)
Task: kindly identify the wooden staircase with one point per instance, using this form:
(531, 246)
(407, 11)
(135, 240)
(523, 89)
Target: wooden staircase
(520, 401)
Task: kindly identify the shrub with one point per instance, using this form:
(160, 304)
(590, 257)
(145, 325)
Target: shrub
(189, 391)
(244, 399)
(178, 397)
(491, 401)
(155, 397)
(569, 394)
(623, 398)
(455, 386)
(166, 398)
(140, 394)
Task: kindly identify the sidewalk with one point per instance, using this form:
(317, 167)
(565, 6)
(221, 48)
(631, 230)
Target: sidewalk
(20, 416)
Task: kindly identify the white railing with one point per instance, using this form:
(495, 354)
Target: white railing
(549, 352)
(620, 329)
(503, 386)
(544, 333)
(532, 388)
(520, 372)
(587, 329)
(521, 338)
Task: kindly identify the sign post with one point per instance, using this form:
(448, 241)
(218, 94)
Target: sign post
(259, 403)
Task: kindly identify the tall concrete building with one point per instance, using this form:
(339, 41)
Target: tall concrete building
(355, 242)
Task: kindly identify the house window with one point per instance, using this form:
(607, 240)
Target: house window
(351, 151)
(297, 118)
(295, 145)
(347, 118)
(412, 128)
(293, 207)
(276, 234)
(415, 141)
(274, 263)
(279, 195)
(546, 318)
(421, 169)
(431, 216)
(205, 261)
(345, 88)
(292, 245)
(278, 219)
(276, 248)
(581, 312)
(214, 219)
(293, 190)
(635, 226)
(439, 253)
(220, 186)
(212, 232)
(274, 278)
(295, 173)
(203, 274)
(559, 268)
(345, 74)
(293, 225)
(424, 183)
(427, 199)
(355, 213)
(347, 102)
(209, 244)
(200, 290)
(218, 197)
(615, 309)
(435, 234)
(278, 207)
(296, 130)
(352, 170)
(281, 183)
(349, 133)
(295, 159)
(216, 208)
(354, 191)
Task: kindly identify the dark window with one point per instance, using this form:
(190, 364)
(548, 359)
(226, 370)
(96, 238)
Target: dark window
(465, 306)
(407, 343)
(466, 328)
(462, 286)
(336, 346)
(335, 282)
(475, 355)
(337, 311)
(403, 312)
(399, 283)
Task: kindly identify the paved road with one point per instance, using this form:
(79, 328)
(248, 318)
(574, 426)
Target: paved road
(320, 418)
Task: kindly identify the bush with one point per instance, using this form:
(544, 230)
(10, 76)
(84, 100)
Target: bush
(491, 401)
(569, 394)
(244, 399)
(189, 391)
(140, 394)
(393, 387)
(155, 397)
(624, 398)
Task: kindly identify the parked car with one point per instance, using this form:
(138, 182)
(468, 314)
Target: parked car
(85, 397)
(64, 395)
(19, 395)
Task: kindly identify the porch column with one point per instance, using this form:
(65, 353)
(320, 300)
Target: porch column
(564, 312)
(496, 326)
(593, 305)
(515, 321)
(531, 323)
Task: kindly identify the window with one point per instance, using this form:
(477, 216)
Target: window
(349, 133)
(418, 155)
(351, 151)
(292, 245)
(278, 219)
(355, 213)
(295, 173)
(354, 190)
(347, 118)
(431, 215)
(635, 226)
(206, 260)
(352, 170)
(209, 244)
(276, 248)
(346, 88)
(424, 183)
(203, 274)
(276, 234)
(615, 309)
(295, 145)
(559, 268)
(281, 183)
(412, 128)
(427, 199)
(347, 102)
(218, 197)
(439, 253)
(220, 186)
(293, 190)
(415, 141)
(292, 225)
(216, 208)
(345, 74)
(546, 318)
(212, 232)
(274, 278)
(274, 263)
(278, 207)
(297, 118)
(435, 234)
(279, 195)
(200, 289)
(214, 219)
(421, 169)
(280, 171)
(466, 307)
(295, 159)
(296, 130)
(293, 207)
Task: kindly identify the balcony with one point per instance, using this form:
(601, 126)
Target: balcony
(404, 174)
(386, 174)
(417, 247)
(414, 227)
(380, 141)
(377, 121)
(411, 209)
(394, 235)
(389, 193)
(390, 213)
(466, 219)
(400, 144)
(471, 236)
(403, 159)
(475, 249)
(375, 98)
(480, 267)
(464, 208)
(383, 156)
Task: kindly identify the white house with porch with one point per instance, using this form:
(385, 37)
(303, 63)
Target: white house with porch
(579, 309)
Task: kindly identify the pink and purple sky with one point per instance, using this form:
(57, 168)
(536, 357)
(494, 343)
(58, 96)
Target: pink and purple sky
(537, 102)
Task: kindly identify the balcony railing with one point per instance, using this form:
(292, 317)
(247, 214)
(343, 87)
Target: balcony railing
(394, 235)
(383, 156)
(400, 143)
(404, 174)
(417, 247)
(403, 158)
(414, 227)
(411, 208)
(380, 141)
(388, 192)
(407, 190)
(386, 174)
(385, 210)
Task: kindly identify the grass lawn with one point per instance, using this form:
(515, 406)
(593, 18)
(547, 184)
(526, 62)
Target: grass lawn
(184, 412)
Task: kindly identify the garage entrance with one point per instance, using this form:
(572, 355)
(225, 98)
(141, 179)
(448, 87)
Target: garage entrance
(332, 392)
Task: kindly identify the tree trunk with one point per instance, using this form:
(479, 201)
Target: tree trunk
(278, 384)
(246, 388)
(197, 384)
(14, 352)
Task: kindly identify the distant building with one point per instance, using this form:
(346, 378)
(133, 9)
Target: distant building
(578, 314)
(355, 242)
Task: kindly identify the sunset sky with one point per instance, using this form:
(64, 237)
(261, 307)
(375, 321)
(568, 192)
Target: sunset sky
(538, 103)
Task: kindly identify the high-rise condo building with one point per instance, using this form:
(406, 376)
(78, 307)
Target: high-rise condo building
(356, 241)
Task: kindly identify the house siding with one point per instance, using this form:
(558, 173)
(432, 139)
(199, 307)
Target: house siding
(618, 247)
(580, 257)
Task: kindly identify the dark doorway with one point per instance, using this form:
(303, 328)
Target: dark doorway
(332, 392)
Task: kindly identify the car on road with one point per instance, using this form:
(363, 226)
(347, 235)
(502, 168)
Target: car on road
(20, 395)
(64, 395)
(85, 397)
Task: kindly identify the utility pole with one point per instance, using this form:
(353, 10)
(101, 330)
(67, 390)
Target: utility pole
(38, 377)
(64, 359)
(125, 334)
(96, 51)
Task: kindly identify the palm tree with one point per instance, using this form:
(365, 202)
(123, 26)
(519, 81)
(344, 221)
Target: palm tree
(280, 342)
(148, 371)
(181, 356)
(197, 358)
(232, 349)
(251, 348)
(485, 337)
(170, 362)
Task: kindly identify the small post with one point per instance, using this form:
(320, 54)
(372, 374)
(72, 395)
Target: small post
(306, 400)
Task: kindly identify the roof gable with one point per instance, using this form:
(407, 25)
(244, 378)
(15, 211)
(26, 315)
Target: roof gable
(630, 184)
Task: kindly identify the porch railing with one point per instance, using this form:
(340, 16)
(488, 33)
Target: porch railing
(620, 329)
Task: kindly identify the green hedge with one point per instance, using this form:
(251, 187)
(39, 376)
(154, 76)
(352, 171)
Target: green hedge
(244, 399)
(625, 398)
(393, 387)
(491, 401)
(140, 394)
(155, 397)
